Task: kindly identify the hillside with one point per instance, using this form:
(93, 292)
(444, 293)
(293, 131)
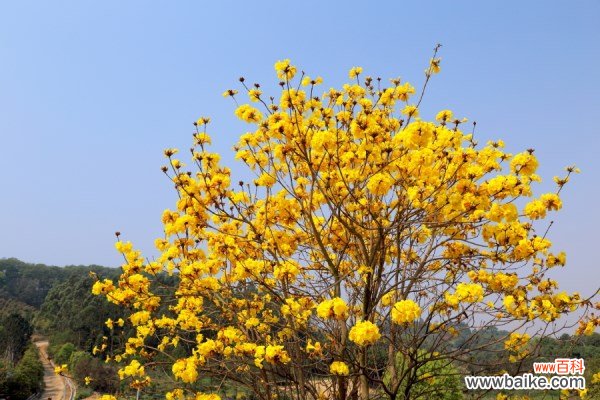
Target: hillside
(30, 283)
(55, 302)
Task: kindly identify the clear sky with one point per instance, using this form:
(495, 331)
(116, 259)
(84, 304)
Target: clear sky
(92, 92)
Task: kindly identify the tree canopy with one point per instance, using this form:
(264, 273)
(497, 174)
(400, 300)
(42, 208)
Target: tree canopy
(369, 236)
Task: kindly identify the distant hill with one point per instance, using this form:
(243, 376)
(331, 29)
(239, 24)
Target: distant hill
(9, 306)
(30, 283)
(57, 301)
(71, 313)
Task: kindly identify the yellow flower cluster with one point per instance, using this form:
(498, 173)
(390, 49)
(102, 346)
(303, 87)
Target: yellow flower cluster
(503, 212)
(379, 184)
(210, 347)
(354, 72)
(444, 115)
(298, 308)
(388, 298)
(285, 70)
(308, 81)
(103, 287)
(186, 369)
(537, 209)
(111, 324)
(339, 368)
(465, 292)
(275, 354)
(516, 343)
(547, 306)
(499, 282)
(434, 65)
(133, 369)
(524, 164)
(61, 369)
(364, 333)
(405, 311)
(410, 111)
(254, 95)
(588, 326)
(248, 113)
(314, 348)
(272, 354)
(287, 270)
(335, 308)
(204, 396)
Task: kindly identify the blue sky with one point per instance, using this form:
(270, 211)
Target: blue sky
(92, 92)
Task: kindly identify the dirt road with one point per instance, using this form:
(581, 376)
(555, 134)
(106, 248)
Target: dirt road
(56, 387)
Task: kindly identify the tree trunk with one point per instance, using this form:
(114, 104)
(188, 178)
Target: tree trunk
(364, 381)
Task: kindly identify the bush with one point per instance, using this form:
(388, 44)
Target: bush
(104, 377)
(25, 379)
(64, 353)
(83, 392)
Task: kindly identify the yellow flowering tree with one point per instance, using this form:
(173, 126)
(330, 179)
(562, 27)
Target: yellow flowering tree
(364, 228)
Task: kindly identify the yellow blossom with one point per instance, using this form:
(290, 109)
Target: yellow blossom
(411, 111)
(444, 115)
(285, 71)
(364, 333)
(339, 368)
(276, 354)
(254, 94)
(335, 308)
(380, 184)
(229, 93)
(61, 369)
(202, 121)
(354, 72)
(248, 114)
(186, 369)
(434, 65)
(405, 311)
(524, 163)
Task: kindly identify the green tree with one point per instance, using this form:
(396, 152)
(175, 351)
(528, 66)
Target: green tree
(64, 353)
(14, 337)
(72, 314)
(28, 283)
(25, 379)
